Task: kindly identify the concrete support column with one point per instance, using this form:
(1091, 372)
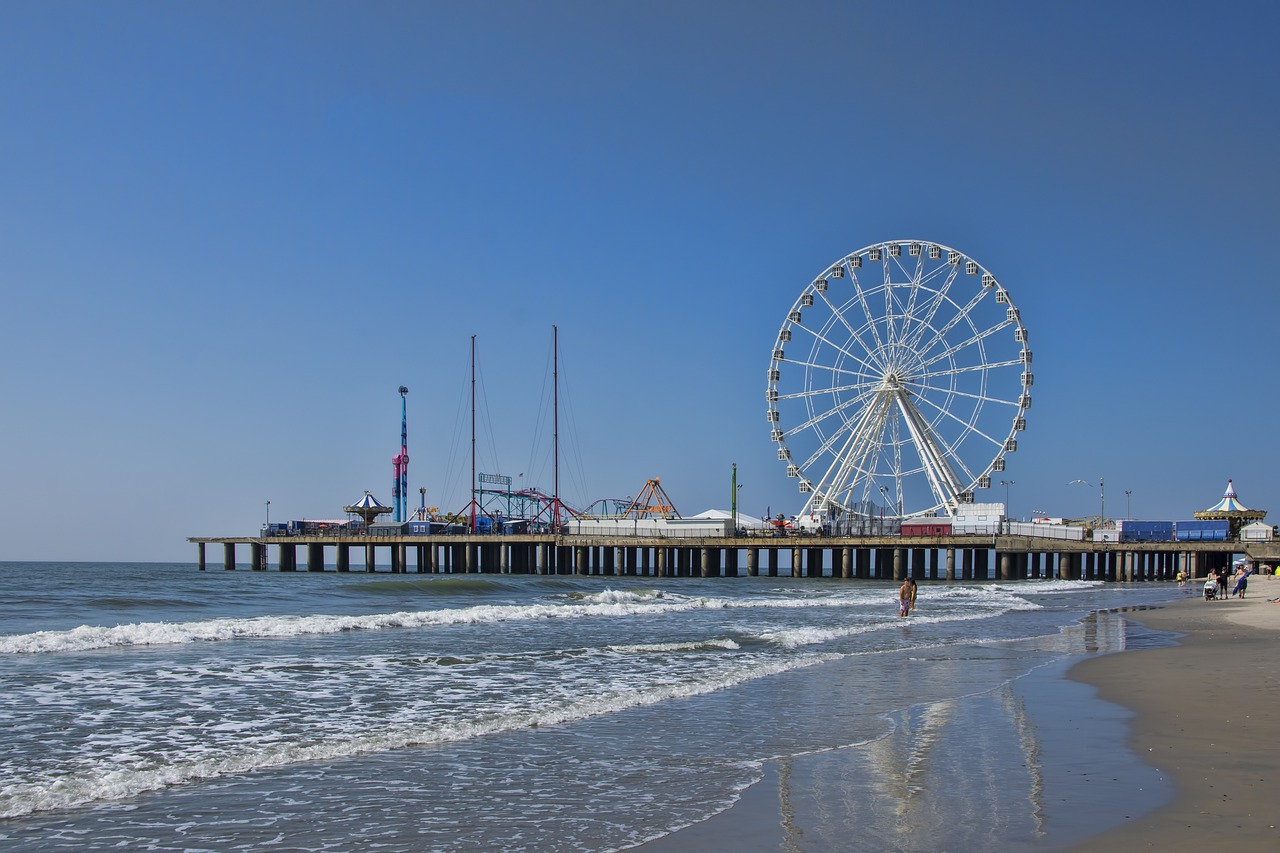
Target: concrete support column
(370, 563)
(917, 564)
(315, 557)
(200, 556)
(257, 556)
(753, 562)
(660, 556)
(846, 563)
(966, 564)
(797, 563)
(951, 564)
(229, 556)
(1006, 565)
(704, 563)
(1128, 566)
(771, 569)
(581, 564)
(899, 565)
(343, 557)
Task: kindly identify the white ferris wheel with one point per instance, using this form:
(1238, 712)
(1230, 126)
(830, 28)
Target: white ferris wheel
(899, 381)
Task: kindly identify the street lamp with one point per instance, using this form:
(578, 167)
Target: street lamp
(1007, 515)
(1102, 492)
(1127, 494)
(268, 513)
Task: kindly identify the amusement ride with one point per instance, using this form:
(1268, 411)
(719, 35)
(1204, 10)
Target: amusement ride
(898, 383)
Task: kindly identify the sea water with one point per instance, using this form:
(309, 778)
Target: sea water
(156, 707)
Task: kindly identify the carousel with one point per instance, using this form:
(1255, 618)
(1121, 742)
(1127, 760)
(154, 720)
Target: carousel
(367, 508)
(1230, 509)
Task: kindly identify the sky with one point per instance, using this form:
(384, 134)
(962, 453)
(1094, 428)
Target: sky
(230, 231)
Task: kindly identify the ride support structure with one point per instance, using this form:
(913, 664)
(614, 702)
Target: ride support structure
(400, 464)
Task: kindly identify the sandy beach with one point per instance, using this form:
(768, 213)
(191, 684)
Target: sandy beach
(1206, 714)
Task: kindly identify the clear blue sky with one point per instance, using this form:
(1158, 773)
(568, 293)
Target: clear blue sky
(230, 231)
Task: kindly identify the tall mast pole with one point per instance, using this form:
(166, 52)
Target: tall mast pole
(555, 397)
(473, 433)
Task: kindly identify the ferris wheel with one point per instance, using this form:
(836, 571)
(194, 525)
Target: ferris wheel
(899, 381)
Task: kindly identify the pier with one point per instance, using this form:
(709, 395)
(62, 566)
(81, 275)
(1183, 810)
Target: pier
(938, 558)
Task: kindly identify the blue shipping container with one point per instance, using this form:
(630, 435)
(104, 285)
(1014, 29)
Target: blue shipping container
(1145, 531)
(1215, 530)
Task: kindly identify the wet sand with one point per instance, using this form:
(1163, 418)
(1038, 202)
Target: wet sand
(1202, 714)
(1207, 713)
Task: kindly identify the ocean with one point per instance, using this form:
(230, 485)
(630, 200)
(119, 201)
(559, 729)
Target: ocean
(155, 707)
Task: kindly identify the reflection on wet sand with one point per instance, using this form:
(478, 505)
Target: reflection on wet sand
(960, 773)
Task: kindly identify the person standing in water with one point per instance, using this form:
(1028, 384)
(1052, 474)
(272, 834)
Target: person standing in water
(907, 597)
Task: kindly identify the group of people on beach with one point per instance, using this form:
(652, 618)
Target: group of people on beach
(1215, 585)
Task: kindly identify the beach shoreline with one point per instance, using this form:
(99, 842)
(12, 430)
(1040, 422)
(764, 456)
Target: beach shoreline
(1196, 714)
(1204, 713)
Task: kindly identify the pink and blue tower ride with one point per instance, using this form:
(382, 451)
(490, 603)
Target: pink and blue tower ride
(400, 489)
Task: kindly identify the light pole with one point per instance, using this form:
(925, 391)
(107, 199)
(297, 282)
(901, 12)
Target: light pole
(884, 498)
(1102, 493)
(733, 498)
(1007, 515)
(268, 513)
(1127, 494)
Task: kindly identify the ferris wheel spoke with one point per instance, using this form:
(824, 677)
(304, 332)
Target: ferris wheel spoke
(968, 428)
(940, 334)
(820, 338)
(828, 368)
(954, 392)
(971, 368)
(853, 334)
(838, 409)
(825, 392)
(950, 351)
(940, 298)
(866, 308)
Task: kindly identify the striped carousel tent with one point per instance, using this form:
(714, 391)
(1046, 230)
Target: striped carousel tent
(1230, 509)
(367, 508)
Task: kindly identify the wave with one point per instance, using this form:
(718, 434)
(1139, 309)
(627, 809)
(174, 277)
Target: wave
(605, 603)
(98, 784)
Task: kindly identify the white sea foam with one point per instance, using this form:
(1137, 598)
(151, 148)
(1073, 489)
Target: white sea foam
(108, 781)
(795, 637)
(87, 637)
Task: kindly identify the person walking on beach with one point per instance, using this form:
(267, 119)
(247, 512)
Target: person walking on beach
(1242, 583)
(1221, 575)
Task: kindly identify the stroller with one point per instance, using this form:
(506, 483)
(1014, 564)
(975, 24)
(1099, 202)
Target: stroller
(1210, 588)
